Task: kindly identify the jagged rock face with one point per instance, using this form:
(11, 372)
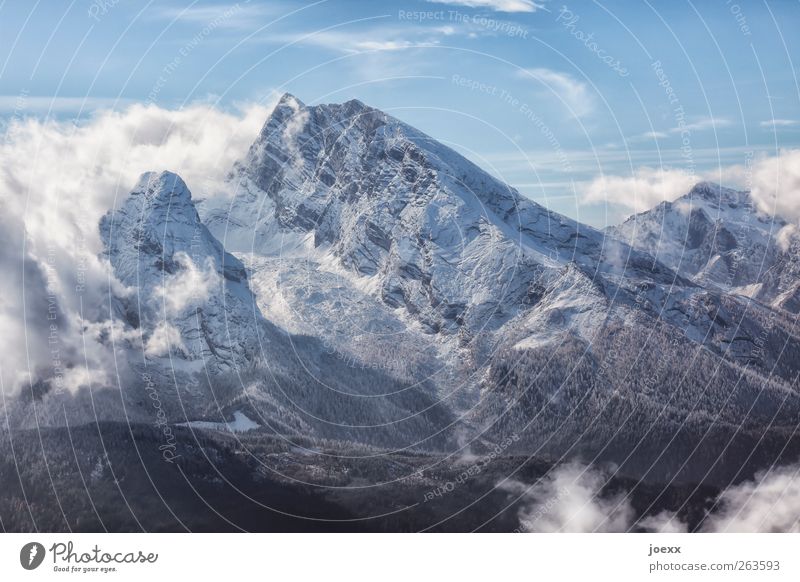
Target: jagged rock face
(400, 255)
(424, 228)
(188, 297)
(718, 237)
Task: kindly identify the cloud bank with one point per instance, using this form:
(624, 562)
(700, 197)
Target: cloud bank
(774, 183)
(642, 190)
(568, 501)
(571, 498)
(496, 5)
(57, 180)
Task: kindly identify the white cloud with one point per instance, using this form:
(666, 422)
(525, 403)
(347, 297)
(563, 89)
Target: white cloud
(664, 522)
(571, 498)
(642, 190)
(239, 15)
(568, 500)
(776, 184)
(56, 181)
(775, 123)
(655, 135)
(787, 236)
(189, 287)
(574, 93)
(769, 503)
(384, 39)
(703, 124)
(164, 339)
(699, 124)
(496, 5)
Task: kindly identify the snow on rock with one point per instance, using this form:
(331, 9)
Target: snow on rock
(718, 237)
(404, 218)
(240, 423)
(188, 297)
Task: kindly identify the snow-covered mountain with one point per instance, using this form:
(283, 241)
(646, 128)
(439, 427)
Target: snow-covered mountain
(417, 224)
(401, 255)
(718, 237)
(435, 249)
(188, 309)
(186, 296)
(363, 283)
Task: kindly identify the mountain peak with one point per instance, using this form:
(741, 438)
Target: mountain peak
(162, 187)
(716, 194)
(289, 100)
(188, 289)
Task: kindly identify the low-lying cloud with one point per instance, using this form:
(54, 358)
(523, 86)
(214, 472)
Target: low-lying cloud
(642, 190)
(571, 498)
(57, 179)
(774, 182)
(769, 503)
(568, 501)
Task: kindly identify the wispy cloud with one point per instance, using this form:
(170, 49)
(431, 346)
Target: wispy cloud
(641, 190)
(496, 5)
(574, 93)
(384, 39)
(773, 123)
(23, 105)
(573, 498)
(239, 15)
(703, 124)
(699, 124)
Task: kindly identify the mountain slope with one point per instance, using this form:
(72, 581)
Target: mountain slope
(210, 352)
(417, 224)
(189, 298)
(718, 237)
(401, 255)
(380, 289)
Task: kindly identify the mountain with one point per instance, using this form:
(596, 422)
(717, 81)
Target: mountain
(189, 299)
(362, 286)
(421, 236)
(718, 237)
(210, 352)
(401, 255)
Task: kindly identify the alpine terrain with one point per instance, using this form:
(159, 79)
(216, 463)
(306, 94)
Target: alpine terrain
(364, 306)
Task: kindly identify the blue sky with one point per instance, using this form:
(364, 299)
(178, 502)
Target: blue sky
(547, 95)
